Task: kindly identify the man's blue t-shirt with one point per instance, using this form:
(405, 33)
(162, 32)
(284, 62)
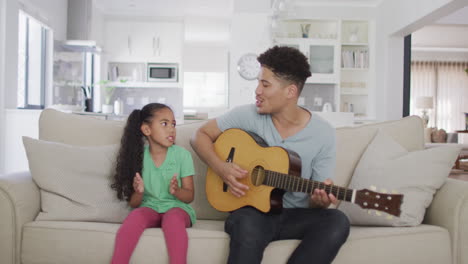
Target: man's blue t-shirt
(315, 144)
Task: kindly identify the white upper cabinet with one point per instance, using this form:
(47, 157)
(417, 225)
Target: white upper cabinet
(144, 41)
(340, 56)
(322, 56)
(118, 40)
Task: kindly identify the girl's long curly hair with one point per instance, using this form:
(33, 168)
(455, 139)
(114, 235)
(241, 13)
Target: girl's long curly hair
(130, 158)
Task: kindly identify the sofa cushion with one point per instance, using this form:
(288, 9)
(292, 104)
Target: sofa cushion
(87, 131)
(74, 181)
(351, 142)
(78, 130)
(417, 175)
(200, 202)
(81, 242)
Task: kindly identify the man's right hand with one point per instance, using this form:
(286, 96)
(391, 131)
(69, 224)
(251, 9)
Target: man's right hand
(231, 172)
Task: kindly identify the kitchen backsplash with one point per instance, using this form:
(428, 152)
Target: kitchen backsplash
(316, 95)
(136, 98)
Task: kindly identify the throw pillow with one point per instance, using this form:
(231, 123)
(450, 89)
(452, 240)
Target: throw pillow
(439, 136)
(75, 181)
(417, 175)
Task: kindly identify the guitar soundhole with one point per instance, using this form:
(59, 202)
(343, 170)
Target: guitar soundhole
(258, 176)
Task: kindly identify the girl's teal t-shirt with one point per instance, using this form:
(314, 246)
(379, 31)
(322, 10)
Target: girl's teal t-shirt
(157, 179)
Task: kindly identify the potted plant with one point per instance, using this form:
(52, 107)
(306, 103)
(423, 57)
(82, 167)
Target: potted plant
(108, 90)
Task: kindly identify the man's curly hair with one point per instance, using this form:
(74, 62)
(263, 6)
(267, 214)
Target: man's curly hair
(287, 63)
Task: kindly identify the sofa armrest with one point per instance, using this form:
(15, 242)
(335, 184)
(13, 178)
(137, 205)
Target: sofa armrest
(449, 209)
(19, 204)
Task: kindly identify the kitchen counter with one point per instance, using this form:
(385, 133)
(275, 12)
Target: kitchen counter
(102, 116)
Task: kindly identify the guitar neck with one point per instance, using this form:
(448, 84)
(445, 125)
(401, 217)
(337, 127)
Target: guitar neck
(297, 184)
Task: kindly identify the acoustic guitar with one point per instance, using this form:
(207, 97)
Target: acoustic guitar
(274, 170)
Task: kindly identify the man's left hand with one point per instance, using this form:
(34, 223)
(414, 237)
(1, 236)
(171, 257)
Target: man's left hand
(320, 199)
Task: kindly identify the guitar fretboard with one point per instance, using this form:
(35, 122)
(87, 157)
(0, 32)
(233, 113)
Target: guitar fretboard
(298, 184)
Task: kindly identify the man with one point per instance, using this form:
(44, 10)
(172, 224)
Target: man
(278, 119)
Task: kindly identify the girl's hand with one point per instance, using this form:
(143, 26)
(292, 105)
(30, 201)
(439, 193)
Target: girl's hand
(138, 184)
(174, 186)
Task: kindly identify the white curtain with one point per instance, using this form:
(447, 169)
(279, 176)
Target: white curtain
(447, 83)
(423, 83)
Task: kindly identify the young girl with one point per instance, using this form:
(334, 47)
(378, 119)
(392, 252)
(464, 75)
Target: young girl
(157, 180)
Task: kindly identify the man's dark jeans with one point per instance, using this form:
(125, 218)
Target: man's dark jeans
(322, 231)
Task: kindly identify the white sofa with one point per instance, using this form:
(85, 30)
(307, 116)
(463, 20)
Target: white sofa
(442, 238)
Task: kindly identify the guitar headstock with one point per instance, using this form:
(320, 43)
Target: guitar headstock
(384, 202)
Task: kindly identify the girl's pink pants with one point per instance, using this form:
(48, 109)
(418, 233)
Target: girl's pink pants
(173, 224)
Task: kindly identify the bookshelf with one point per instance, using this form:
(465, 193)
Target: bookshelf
(341, 58)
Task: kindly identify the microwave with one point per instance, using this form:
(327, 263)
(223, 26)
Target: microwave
(163, 72)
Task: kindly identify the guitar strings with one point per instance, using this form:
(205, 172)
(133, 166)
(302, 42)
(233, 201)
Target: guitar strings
(298, 184)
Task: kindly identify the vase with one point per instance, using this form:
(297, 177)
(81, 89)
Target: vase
(305, 30)
(107, 109)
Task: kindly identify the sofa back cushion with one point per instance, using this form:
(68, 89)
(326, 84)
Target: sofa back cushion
(351, 142)
(78, 130)
(200, 203)
(87, 131)
(74, 181)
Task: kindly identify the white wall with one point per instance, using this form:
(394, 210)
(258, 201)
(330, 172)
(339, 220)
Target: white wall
(458, 17)
(395, 20)
(2, 84)
(445, 36)
(249, 34)
(97, 26)
(205, 58)
(52, 13)
(19, 125)
(206, 43)
(441, 42)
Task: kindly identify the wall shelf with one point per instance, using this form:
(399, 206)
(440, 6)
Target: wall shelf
(341, 56)
(145, 84)
(354, 69)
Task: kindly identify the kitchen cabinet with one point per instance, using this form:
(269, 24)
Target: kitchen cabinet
(117, 40)
(144, 41)
(340, 55)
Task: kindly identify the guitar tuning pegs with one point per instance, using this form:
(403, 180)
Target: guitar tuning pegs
(384, 191)
(373, 188)
(378, 213)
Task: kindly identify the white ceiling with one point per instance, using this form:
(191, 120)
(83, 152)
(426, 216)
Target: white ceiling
(219, 8)
(166, 8)
(224, 8)
(339, 2)
(459, 17)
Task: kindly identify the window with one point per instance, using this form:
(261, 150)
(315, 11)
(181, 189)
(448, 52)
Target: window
(446, 83)
(32, 38)
(205, 90)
